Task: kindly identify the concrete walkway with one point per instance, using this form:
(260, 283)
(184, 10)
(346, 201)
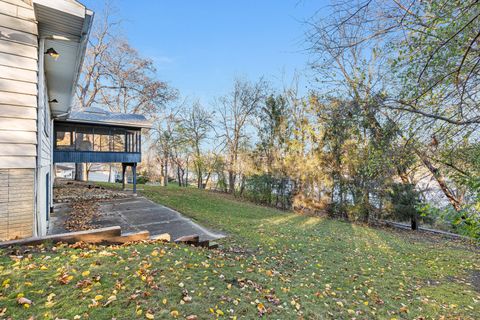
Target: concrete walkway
(134, 214)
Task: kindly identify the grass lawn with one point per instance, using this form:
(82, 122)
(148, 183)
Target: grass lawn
(274, 264)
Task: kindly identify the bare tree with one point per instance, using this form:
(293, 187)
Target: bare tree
(165, 141)
(236, 110)
(101, 39)
(116, 77)
(130, 83)
(196, 124)
(91, 81)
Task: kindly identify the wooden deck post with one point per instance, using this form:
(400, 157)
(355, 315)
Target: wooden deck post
(124, 167)
(134, 170)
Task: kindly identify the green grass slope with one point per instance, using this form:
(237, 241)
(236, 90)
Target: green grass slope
(274, 265)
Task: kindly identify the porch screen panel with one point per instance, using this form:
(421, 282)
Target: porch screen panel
(119, 140)
(131, 141)
(84, 139)
(64, 139)
(102, 140)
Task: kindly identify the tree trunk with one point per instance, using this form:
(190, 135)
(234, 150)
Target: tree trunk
(80, 172)
(179, 178)
(366, 206)
(165, 173)
(231, 181)
(207, 178)
(242, 185)
(162, 170)
(454, 201)
(199, 178)
(110, 173)
(186, 177)
(414, 221)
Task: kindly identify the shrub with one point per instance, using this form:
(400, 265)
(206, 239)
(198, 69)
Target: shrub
(465, 222)
(142, 179)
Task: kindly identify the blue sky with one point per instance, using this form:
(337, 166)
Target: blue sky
(199, 47)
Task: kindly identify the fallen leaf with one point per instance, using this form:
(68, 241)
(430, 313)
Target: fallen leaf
(110, 300)
(23, 300)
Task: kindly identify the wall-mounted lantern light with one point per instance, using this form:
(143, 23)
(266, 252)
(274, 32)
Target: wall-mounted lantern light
(52, 53)
(53, 101)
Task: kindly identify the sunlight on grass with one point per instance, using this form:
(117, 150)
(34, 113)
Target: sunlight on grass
(284, 219)
(296, 267)
(370, 236)
(311, 222)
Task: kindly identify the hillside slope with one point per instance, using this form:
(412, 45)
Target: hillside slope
(273, 264)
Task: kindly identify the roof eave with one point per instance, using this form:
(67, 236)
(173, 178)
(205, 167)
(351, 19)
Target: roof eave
(58, 36)
(87, 27)
(111, 123)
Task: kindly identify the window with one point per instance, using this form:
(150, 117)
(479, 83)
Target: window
(64, 140)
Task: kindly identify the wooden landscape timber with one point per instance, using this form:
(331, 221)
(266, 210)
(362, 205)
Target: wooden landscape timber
(194, 240)
(108, 235)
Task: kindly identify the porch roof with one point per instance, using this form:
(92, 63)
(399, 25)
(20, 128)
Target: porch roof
(101, 117)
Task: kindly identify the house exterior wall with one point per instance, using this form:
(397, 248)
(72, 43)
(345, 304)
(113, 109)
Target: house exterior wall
(18, 118)
(44, 149)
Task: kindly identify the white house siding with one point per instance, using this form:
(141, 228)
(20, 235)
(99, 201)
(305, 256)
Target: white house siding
(44, 177)
(18, 115)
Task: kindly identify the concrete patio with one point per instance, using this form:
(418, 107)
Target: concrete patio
(136, 213)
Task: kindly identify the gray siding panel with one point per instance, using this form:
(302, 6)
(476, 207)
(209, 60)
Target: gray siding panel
(18, 112)
(17, 9)
(18, 99)
(13, 73)
(13, 124)
(16, 149)
(7, 136)
(13, 60)
(14, 162)
(18, 24)
(18, 3)
(8, 85)
(18, 105)
(18, 36)
(19, 49)
(18, 86)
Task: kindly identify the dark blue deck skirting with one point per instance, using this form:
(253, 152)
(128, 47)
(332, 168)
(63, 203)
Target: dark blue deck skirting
(95, 156)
